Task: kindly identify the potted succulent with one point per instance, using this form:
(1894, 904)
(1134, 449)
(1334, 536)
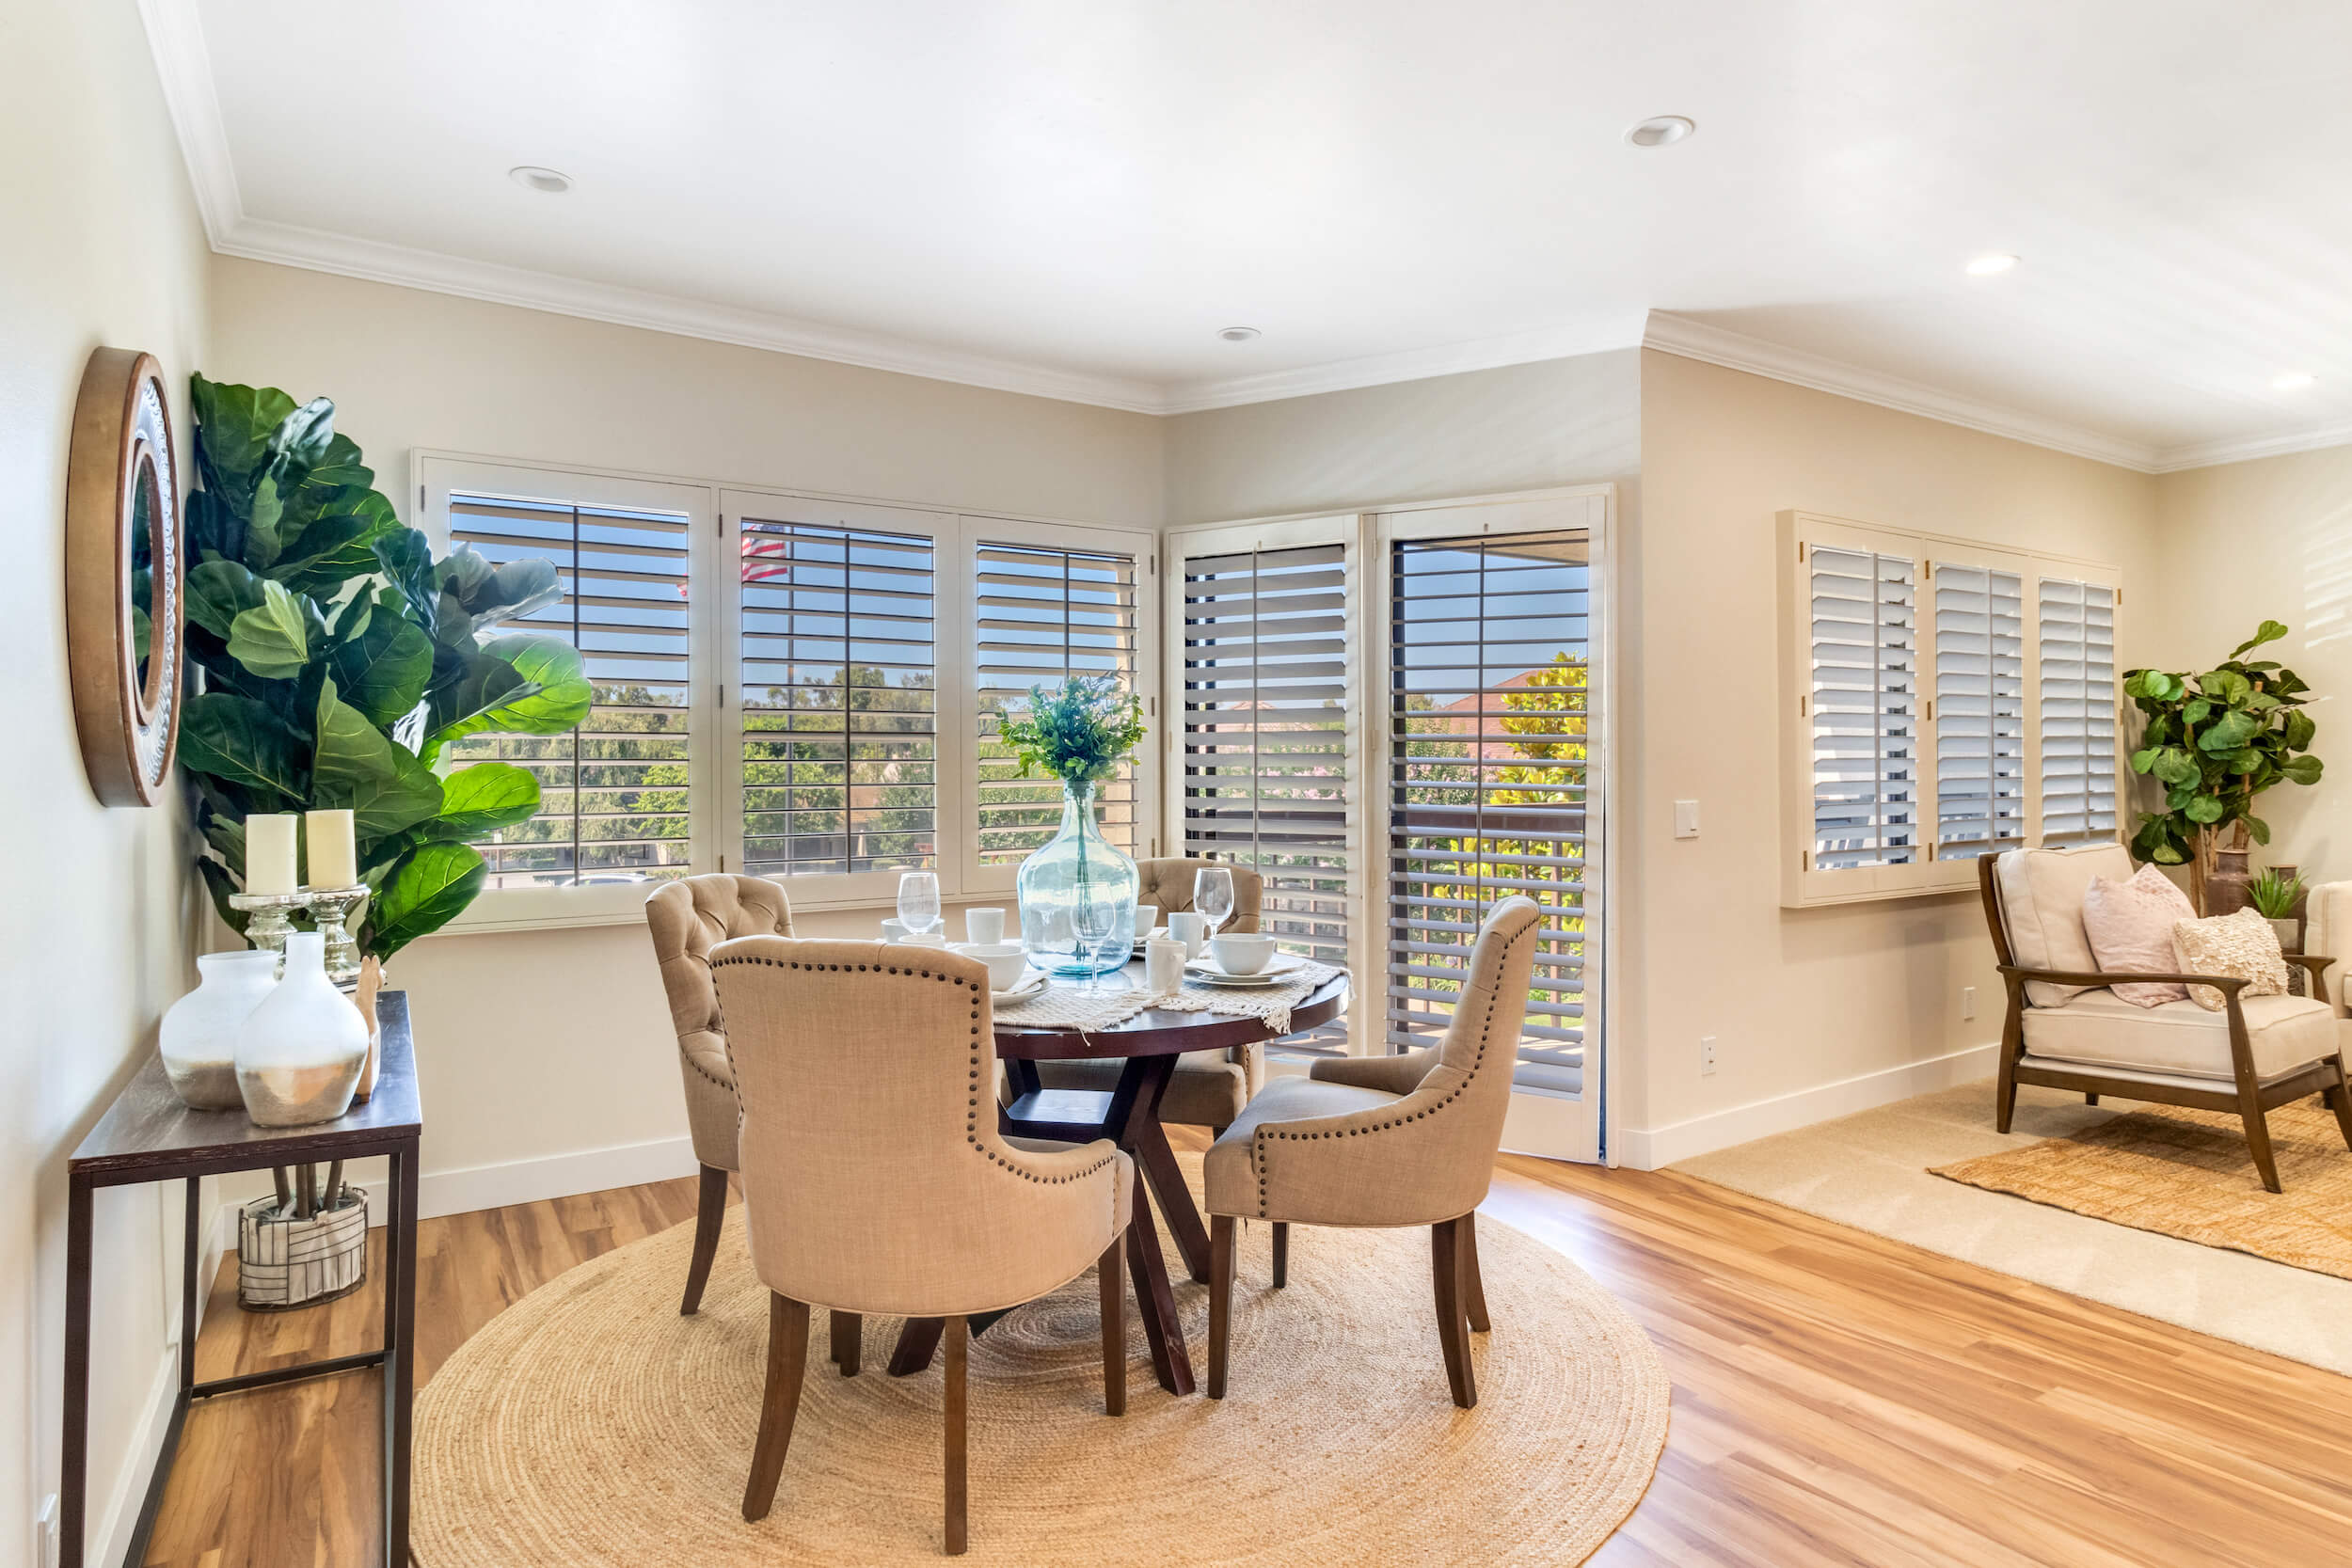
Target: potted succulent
(1077, 893)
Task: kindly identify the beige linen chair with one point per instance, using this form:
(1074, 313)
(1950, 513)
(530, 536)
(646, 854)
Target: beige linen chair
(1387, 1141)
(2066, 1030)
(688, 918)
(1209, 1087)
(874, 1180)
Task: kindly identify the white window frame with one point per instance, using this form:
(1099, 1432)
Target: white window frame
(1803, 884)
(715, 777)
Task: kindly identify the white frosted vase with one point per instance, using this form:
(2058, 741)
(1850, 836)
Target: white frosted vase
(300, 1054)
(199, 1034)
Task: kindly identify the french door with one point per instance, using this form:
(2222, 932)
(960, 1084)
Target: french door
(1401, 719)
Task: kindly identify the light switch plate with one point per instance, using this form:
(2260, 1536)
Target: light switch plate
(1686, 819)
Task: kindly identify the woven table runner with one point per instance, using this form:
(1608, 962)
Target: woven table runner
(1118, 997)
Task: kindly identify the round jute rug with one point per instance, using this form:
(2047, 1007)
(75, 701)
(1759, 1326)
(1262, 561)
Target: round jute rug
(590, 1424)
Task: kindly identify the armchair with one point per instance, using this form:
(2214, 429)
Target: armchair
(2063, 1029)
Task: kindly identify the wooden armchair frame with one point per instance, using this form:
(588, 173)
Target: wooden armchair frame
(2251, 1098)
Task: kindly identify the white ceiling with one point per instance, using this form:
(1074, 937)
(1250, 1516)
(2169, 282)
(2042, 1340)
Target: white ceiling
(1073, 196)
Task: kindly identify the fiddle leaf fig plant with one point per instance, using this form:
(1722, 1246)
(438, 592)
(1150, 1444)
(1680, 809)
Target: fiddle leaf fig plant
(2216, 740)
(341, 661)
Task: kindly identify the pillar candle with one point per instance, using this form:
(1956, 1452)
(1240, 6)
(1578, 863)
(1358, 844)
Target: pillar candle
(334, 856)
(269, 852)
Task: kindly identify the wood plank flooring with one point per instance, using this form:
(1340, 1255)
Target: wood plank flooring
(1839, 1399)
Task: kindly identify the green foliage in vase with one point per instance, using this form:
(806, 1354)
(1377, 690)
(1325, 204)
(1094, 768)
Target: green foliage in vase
(1080, 731)
(340, 659)
(2215, 741)
(2274, 895)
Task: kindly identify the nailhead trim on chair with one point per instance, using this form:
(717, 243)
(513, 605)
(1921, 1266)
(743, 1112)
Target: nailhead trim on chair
(1260, 1138)
(972, 1117)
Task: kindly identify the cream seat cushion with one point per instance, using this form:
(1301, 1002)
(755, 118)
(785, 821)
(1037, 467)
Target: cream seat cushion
(2042, 908)
(2100, 1029)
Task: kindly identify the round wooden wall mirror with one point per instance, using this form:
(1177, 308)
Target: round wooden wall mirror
(125, 572)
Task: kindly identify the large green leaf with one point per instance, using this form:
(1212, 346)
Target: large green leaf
(559, 699)
(233, 427)
(484, 797)
(384, 671)
(2302, 770)
(406, 558)
(467, 682)
(2269, 631)
(219, 593)
(273, 638)
(490, 594)
(2299, 732)
(356, 765)
(2205, 808)
(424, 892)
(245, 743)
(2229, 732)
(2175, 765)
(338, 544)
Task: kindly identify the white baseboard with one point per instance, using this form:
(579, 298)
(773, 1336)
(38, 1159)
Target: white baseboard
(108, 1537)
(1653, 1147)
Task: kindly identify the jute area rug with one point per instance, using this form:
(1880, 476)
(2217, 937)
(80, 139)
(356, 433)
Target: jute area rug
(2186, 1173)
(590, 1424)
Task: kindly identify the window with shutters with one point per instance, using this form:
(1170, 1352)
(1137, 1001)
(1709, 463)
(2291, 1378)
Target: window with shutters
(1042, 614)
(616, 798)
(1490, 777)
(1946, 700)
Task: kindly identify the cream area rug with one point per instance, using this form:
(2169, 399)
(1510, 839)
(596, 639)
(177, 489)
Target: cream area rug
(2186, 1173)
(590, 1424)
(1873, 1171)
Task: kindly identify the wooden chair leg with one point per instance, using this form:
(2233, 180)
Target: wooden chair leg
(918, 1342)
(1445, 1269)
(2004, 1095)
(711, 1213)
(2258, 1139)
(958, 1346)
(1112, 1278)
(1282, 1254)
(2090, 1100)
(2339, 1098)
(787, 1359)
(1473, 1286)
(848, 1342)
(1221, 1299)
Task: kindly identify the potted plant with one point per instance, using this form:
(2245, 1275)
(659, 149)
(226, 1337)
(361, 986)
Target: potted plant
(1077, 893)
(2216, 740)
(2277, 894)
(338, 661)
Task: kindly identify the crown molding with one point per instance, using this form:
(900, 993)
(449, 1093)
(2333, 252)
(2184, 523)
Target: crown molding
(184, 67)
(2207, 454)
(1418, 364)
(1716, 345)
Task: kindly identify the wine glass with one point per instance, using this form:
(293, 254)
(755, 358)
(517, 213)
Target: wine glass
(918, 901)
(1092, 921)
(1213, 896)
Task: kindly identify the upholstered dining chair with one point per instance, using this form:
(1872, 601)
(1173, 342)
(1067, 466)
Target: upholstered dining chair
(2065, 1029)
(1387, 1141)
(875, 1180)
(688, 918)
(1209, 1087)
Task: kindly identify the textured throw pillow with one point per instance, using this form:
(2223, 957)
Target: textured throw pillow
(2241, 945)
(2130, 926)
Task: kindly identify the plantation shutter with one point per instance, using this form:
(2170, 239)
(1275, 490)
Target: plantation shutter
(1979, 710)
(839, 678)
(2078, 723)
(1491, 778)
(614, 792)
(1266, 647)
(1865, 709)
(1041, 614)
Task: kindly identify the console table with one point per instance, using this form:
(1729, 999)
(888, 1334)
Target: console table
(148, 1135)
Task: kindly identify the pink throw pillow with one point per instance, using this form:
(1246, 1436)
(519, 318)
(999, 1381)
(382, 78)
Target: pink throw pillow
(2130, 927)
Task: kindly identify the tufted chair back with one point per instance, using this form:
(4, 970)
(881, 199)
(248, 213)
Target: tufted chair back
(1167, 885)
(687, 919)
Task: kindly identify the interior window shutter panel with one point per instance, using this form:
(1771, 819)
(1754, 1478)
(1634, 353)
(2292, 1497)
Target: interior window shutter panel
(2078, 721)
(1865, 708)
(1979, 710)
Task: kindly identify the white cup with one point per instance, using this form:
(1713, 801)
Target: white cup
(1163, 966)
(1189, 929)
(985, 926)
(894, 929)
(1147, 921)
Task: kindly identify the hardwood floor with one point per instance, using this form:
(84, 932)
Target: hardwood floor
(1839, 1399)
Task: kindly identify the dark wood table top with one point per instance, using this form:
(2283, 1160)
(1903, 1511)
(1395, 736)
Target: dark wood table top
(148, 1132)
(1162, 1031)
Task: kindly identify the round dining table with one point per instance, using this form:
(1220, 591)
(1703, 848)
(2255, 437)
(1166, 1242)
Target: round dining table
(1129, 1115)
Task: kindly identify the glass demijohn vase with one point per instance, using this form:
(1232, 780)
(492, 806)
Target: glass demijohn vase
(1080, 866)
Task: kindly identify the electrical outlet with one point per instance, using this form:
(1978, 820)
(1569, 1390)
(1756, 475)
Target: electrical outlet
(1967, 1003)
(46, 1532)
(1707, 1054)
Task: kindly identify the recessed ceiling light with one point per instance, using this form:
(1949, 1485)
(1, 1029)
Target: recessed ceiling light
(1237, 334)
(1662, 131)
(2294, 381)
(1989, 266)
(533, 178)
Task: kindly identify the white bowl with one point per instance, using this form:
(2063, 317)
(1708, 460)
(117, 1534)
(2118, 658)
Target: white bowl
(1005, 960)
(1242, 952)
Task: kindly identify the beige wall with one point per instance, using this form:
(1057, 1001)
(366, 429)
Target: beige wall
(548, 1044)
(2268, 539)
(98, 245)
(1797, 999)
